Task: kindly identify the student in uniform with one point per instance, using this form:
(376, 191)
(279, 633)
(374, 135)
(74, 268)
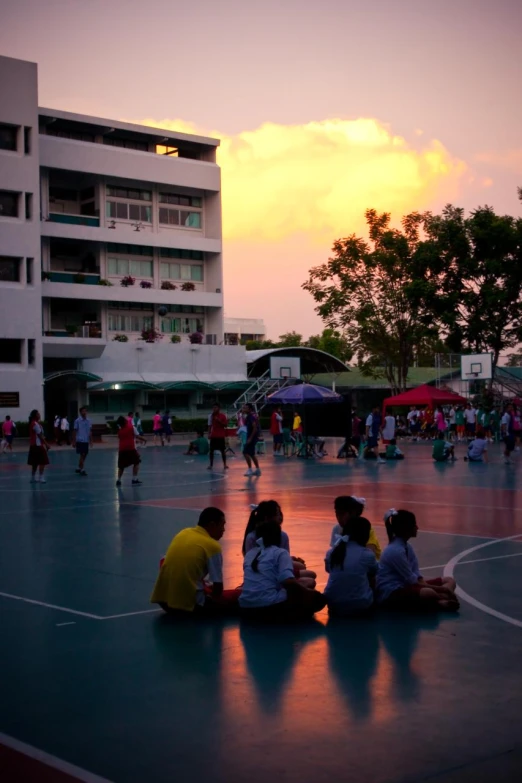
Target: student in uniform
(352, 568)
(508, 433)
(399, 583)
(217, 432)
(478, 448)
(198, 446)
(460, 423)
(38, 448)
(442, 450)
(157, 428)
(270, 590)
(350, 507)
(127, 454)
(270, 511)
(392, 451)
(190, 581)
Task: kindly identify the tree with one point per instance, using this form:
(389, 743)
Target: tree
(332, 342)
(290, 340)
(514, 359)
(256, 345)
(377, 293)
(477, 264)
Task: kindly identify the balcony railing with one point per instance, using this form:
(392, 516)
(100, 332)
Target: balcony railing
(77, 220)
(82, 278)
(81, 331)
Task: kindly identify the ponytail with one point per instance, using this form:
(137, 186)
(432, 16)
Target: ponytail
(269, 534)
(264, 512)
(399, 523)
(356, 530)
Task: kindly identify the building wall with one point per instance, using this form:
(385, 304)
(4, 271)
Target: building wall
(20, 302)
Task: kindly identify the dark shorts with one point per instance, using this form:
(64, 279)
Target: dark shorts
(470, 428)
(372, 442)
(250, 448)
(37, 456)
(509, 442)
(409, 597)
(278, 438)
(217, 444)
(128, 458)
(9, 439)
(295, 609)
(82, 449)
(453, 427)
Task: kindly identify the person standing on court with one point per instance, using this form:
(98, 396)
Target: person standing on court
(217, 426)
(82, 438)
(249, 450)
(388, 428)
(276, 430)
(127, 454)
(373, 428)
(38, 448)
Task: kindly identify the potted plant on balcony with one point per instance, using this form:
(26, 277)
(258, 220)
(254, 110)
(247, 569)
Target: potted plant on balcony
(151, 335)
(94, 331)
(188, 287)
(103, 281)
(79, 278)
(127, 281)
(175, 338)
(46, 276)
(196, 338)
(120, 338)
(168, 286)
(71, 329)
(145, 284)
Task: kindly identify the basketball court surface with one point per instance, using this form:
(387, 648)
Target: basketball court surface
(97, 685)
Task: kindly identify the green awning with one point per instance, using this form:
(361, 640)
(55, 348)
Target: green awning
(186, 386)
(122, 386)
(232, 385)
(81, 375)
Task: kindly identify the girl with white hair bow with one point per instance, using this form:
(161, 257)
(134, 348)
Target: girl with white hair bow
(350, 507)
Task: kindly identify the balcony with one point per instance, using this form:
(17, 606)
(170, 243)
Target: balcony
(75, 220)
(74, 342)
(80, 278)
(71, 289)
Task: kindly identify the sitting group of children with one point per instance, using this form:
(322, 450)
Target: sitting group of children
(279, 587)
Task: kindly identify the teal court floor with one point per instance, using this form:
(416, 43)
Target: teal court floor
(96, 685)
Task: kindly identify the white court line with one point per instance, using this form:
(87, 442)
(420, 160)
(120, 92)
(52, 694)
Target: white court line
(478, 560)
(449, 569)
(51, 761)
(50, 606)
(449, 505)
(60, 625)
(130, 614)
(58, 486)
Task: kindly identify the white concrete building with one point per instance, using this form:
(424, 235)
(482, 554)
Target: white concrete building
(106, 229)
(243, 329)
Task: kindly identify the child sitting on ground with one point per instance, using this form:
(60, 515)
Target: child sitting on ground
(270, 590)
(270, 511)
(443, 450)
(399, 584)
(478, 448)
(392, 451)
(349, 507)
(199, 445)
(352, 568)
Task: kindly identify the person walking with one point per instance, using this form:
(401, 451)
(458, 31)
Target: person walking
(217, 427)
(82, 438)
(127, 454)
(64, 430)
(8, 432)
(276, 430)
(249, 449)
(373, 428)
(38, 448)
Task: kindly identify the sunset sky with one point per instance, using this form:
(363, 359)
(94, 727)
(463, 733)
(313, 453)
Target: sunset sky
(324, 109)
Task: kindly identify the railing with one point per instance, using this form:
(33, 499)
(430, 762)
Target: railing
(82, 331)
(82, 278)
(257, 393)
(77, 220)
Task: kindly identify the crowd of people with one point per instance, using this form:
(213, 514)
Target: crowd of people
(277, 586)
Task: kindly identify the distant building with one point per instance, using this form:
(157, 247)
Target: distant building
(239, 330)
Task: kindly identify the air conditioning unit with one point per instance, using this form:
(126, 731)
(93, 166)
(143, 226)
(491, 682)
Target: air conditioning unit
(85, 331)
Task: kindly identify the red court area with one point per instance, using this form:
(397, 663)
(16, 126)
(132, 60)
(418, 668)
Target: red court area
(475, 511)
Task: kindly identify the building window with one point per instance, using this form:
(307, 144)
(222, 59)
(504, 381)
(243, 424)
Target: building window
(116, 402)
(120, 267)
(129, 323)
(181, 325)
(134, 194)
(142, 306)
(120, 210)
(128, 144)
(31, 352)
(8, 137)
(10, 269)
(188, 218)
(29, 266)
(131, 250)
(9, 203)
(28, 206)
(181, 272)
(11, 351)
(27, 140)
(193, 255)
(74, 135)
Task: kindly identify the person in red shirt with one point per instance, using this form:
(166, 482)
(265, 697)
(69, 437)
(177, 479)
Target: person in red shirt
(276, 429)
(217, 425)
(127, 454)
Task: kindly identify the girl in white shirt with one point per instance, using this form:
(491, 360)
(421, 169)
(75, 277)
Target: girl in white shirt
(270, 511)
(270, 590)
(352, 568)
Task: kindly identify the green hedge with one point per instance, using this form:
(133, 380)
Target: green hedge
(22, 429)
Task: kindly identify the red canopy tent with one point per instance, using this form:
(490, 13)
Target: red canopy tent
(424, 395)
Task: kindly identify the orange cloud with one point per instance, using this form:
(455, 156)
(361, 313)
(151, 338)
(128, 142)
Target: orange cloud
(510, 159)
(318, 178)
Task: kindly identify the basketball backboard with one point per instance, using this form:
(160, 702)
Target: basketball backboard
(283, 367)
(476, 367)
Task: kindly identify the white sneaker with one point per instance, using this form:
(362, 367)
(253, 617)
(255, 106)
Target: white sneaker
(381, 461)
(256, 472)
(249, 472)
(42, 480)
